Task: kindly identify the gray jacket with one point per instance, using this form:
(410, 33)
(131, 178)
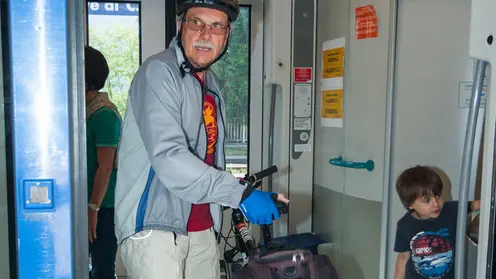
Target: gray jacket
(160, 175)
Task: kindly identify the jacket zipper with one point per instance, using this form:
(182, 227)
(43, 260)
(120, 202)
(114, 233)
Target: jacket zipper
(224, 155)
(202, 122)
(204, 93)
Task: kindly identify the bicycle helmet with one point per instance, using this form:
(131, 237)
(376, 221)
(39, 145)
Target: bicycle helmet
(230, 7)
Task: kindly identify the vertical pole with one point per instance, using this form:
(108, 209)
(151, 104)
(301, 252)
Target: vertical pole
(271, 131)
(270, 188)
(170, 21)
(39, 66)
(466, 167)
(9, 141)
(76, 85)
(386, 207)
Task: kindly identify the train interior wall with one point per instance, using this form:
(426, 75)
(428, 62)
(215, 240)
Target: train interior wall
(429, 112)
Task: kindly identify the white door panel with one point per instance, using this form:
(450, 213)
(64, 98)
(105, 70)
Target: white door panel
(348, 202)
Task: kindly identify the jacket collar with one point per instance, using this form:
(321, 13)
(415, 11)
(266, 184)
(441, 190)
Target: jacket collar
(177, 51)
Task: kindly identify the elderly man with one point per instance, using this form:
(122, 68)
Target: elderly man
(172, 184)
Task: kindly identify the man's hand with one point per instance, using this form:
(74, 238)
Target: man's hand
(282, 198)
(92, 221)
(260, 207)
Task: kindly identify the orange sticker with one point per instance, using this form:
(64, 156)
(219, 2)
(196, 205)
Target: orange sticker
(332, 104)
(365, 22)
(333, 63)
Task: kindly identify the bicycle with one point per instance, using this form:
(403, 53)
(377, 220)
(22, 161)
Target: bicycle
(245, 246)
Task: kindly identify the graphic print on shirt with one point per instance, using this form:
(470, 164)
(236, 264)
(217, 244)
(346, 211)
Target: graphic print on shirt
(210, 118)
(432, 253)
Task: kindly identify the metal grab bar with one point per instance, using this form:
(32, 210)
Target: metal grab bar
(272, 113)
(273, 93)
(368, 165)
(466, 168)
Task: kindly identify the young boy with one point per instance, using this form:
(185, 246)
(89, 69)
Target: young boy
(426, 234)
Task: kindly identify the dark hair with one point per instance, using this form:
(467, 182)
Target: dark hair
(96, 69)
(418, 182)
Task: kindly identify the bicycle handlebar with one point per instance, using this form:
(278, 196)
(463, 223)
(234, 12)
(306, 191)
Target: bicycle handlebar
(238, 221)
(252, 179)
(257, 177)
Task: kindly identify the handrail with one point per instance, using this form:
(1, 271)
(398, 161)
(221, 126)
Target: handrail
(368, 165)
(273, 92)
(466, 168)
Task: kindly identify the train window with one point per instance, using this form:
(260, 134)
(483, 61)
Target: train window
(114, 29)
(233, 71)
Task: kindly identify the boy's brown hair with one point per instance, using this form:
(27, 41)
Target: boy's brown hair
(418, 182)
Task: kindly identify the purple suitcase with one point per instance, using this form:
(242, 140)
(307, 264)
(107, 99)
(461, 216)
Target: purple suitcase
(289, 264)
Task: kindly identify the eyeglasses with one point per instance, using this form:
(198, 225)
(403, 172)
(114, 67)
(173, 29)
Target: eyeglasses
(199, 25)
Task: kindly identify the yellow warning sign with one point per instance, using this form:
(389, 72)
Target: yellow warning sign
(333, 63)
(332, 104)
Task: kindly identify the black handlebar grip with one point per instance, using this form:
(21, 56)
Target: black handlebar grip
(251, 247)
(282, 207)
(261, 174)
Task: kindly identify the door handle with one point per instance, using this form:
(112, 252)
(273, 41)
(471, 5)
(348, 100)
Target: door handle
(369, 165)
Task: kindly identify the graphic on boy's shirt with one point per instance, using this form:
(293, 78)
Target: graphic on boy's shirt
(210, 118)
(432, 253)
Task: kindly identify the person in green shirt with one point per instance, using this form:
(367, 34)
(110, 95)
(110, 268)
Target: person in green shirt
(103, 128)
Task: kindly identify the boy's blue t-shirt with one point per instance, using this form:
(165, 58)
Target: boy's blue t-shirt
(431, 244)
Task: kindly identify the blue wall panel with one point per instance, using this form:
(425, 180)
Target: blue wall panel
(39, 67)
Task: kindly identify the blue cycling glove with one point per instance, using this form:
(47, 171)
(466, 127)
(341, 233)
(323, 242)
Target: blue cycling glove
(259, 207)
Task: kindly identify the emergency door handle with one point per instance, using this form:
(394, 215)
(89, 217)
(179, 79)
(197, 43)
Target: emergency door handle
(369, 165)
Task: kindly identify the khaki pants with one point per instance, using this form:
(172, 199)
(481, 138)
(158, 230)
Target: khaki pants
(155, 254)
